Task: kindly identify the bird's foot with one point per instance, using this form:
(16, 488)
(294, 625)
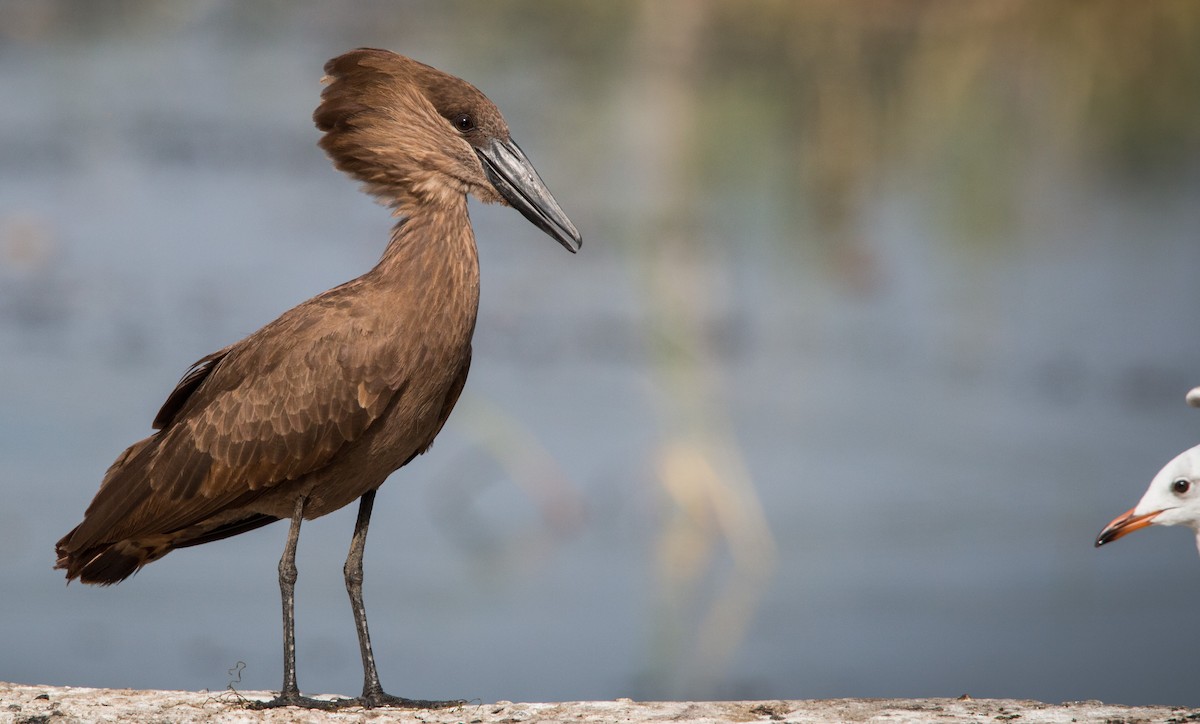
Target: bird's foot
(369, 700)
(294, 698)
(380, 698)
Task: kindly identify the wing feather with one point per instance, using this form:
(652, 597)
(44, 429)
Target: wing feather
(271, 408)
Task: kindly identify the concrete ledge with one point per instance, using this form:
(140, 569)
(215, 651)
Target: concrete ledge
(20, 704)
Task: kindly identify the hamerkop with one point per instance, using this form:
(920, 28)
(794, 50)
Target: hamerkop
(316, 409)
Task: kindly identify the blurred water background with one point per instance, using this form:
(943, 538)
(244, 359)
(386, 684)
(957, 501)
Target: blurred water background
(883, 311)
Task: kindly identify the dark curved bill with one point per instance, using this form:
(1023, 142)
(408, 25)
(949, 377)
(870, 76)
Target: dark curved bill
(518, 182)
(1124, 524)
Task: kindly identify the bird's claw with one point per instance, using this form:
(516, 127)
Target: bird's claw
(301, 702)
(377, 699)
(369, 700)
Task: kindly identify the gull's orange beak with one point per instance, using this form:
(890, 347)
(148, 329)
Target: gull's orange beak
(1126, 523)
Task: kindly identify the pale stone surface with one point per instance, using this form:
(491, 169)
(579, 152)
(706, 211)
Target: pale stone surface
(21, 704)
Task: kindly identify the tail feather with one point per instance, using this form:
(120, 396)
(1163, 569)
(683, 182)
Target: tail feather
(108, 564)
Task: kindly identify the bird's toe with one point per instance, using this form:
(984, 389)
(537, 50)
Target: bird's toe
(301, 702)
(376, 699)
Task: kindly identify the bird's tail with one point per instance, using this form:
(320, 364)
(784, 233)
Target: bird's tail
(106, 564)
(92, 555)
(110, 563)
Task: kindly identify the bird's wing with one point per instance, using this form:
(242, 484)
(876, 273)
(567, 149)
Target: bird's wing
(187, 384)
(273, 407)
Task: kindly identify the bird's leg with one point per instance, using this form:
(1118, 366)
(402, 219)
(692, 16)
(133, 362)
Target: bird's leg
(287, 591)
(373, 694)
(289, 695)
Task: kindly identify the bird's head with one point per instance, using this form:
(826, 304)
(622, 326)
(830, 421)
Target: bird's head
(1173, 498)
(417, 136)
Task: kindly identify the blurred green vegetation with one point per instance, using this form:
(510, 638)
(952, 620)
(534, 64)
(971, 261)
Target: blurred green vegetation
(825, 97)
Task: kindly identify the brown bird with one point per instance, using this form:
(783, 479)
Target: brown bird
(316, 409)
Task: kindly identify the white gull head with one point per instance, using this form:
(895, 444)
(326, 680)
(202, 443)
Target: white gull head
(1173, 498)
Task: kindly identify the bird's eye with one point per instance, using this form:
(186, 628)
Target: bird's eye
(464, 122)
(1181, 486)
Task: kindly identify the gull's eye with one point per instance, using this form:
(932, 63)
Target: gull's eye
(1181, 486)
(464, 122)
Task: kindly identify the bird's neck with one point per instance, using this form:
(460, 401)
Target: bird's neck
(432, 234)
(432, 257)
